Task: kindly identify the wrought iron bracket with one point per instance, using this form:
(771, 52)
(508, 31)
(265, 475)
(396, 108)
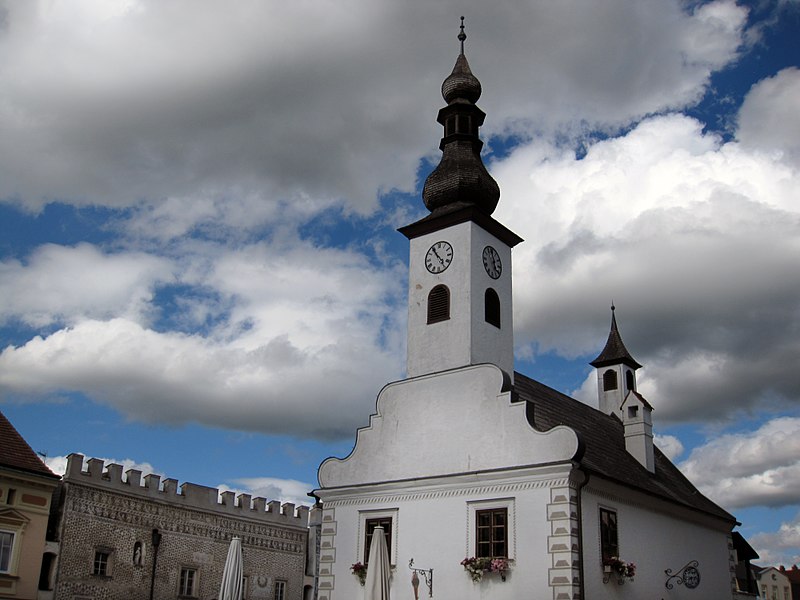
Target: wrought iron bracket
(427, 575)
(688, 575)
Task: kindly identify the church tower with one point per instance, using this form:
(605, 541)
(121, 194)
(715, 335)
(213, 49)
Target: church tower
(616, 372)
(459, 298)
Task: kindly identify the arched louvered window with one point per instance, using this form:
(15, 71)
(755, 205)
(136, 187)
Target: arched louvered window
(609, 380)
(629, 382)
(439, 304)
(491, 307)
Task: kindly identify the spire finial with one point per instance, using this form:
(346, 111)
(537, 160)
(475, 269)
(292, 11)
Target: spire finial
(462, 36)
(613, 308)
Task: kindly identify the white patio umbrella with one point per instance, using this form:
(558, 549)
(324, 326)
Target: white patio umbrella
(378, 571)
(231, 586)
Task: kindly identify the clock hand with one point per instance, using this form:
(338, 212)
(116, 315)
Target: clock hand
(437, 256)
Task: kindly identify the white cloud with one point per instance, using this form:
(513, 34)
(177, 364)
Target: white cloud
(669, 445)
(769, 119)
(781, 547)
(759, 468)
(59, 284)
(129, 103)
(697, 242)
(283, 490)
(299, 340)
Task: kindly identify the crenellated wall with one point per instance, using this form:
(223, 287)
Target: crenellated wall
(119, 516)
(191, 495)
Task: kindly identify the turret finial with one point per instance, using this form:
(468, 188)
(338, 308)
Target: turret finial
(462, 36)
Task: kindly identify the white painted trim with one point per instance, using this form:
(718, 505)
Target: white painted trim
(475, 505)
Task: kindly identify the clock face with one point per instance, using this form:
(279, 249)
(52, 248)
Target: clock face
(439, 257)
(491, 262)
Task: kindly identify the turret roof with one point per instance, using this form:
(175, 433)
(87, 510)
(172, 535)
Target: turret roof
(615, 351)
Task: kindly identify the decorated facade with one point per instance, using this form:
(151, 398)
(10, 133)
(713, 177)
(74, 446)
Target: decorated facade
(128, 537)
(487, 482)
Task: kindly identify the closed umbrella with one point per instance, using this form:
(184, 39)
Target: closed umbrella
(231, 587)
(378, 571)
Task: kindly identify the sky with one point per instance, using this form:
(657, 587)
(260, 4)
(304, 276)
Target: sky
(200, 271)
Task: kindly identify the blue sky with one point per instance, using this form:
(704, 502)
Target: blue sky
(199, 262)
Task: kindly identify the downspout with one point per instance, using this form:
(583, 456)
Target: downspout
(581, 484)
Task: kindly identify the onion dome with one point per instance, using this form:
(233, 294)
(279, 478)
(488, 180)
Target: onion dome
(615, 351)
(461, 178)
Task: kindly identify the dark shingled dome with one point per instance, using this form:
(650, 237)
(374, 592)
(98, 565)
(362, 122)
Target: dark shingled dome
(461, 178)
(461, 84)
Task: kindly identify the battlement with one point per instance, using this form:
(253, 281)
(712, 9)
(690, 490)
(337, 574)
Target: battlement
(110, 477)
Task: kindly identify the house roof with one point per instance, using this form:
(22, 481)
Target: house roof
(15, 453)
(603, 453)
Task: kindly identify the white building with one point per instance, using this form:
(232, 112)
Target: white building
(467, 459)
(774, 584)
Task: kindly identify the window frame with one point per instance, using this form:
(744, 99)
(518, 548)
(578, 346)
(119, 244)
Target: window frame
(495, 539)
(476, 506)
(610, 380)
(391, 536)
(182, 591)
(9, 567)
(491, 307)
(107, 562)
(440, 311)
(283, 585)
(608, 537)
(369, 526)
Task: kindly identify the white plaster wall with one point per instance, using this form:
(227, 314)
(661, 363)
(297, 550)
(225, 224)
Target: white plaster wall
(457, 421)
(465, 338)
(654, 540)
(433, 529)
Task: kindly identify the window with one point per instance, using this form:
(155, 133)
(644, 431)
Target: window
(491, 528)
(280, 590)
(629, 381)
(438, 304)
(245, 584)
(102, 563)
(609, 544)
(491, 307)
(188, 582)
(609, 380)
(6, 546)
(371, 524)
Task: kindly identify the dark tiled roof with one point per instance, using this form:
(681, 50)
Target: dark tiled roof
(615, 351)
(15, 452)
(603, 447)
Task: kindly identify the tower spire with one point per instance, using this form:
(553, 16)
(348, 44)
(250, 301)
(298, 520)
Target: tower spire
(614, 351)
(461, 179)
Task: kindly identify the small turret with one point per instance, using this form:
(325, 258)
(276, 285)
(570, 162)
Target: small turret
(616, 371)
(617, 395)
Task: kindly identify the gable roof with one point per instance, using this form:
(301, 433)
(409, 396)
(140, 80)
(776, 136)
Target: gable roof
(604, 452)
(15, 453)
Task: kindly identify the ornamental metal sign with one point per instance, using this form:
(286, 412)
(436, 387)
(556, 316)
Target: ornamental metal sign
(689, 576)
